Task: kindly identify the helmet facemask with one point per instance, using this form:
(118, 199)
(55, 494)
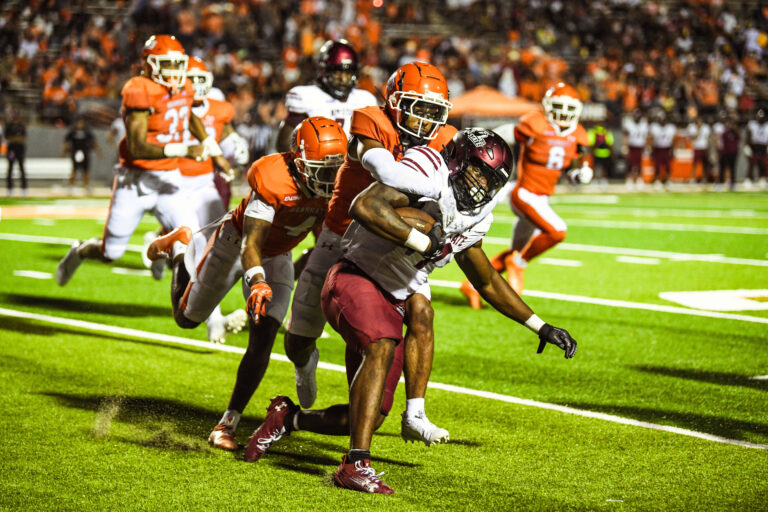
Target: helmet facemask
(168, 69)
(474, 185)
(430, 110)
(339, 80)
(319, 175)
(563, 112)
(201, 81)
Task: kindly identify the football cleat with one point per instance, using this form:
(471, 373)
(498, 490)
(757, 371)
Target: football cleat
(360, 476)
(474, 298)
(223, 437)
(161, 247)
(514, 273)
(271, 429)
(419, 428)
(219, 329)
(68, 265)
(306, 382)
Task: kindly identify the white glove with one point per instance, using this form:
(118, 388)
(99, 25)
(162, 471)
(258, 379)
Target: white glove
(235, 149)
(747, 150)
(583, 174)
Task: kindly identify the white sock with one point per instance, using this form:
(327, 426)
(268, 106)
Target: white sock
(215, 315)
(414, 406)
(519, 261)
(231, 418)
(178, 248)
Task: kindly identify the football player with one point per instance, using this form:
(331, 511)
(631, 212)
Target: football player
(157, 109)
(549, 142)
(288, 199)
(216, 116)
(387, 261)
(757, 149)
(635, 130)
(334, 96)
(415, 114)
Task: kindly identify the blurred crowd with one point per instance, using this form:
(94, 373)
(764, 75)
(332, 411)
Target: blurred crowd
(687, 58)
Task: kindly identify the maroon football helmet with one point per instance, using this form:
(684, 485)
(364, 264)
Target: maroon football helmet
(337, 68)
(480, 164)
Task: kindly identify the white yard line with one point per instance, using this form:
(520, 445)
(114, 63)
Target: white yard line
(559, 262)
(657, 226)
(135, 333)
(649, 253)
(663, 212)
(637, 260)
(495, 240)
(621, 304)
(759, 377)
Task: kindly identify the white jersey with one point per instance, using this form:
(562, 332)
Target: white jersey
(637, 132)
(401, 271)
(311, 100)
(699, 135)
(663, 134)
(758, 132)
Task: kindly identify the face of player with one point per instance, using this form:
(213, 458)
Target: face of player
(420, 117)
(341, 80)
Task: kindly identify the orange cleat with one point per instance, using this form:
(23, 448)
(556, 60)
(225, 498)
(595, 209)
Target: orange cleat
(161, 247)
(475, 301)
(223, 438)
(514, 273)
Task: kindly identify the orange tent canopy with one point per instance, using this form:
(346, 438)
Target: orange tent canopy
(489, 102)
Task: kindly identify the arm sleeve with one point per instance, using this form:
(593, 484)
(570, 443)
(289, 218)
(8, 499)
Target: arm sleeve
(415, 174)
(258, 209)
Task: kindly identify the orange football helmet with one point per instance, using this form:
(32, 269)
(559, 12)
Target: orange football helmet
(165, 60)
(320, 146)
(200, 77)
(562, 107)
(418, 90)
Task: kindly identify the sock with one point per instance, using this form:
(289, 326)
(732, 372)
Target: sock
(358, 455)
(231, 418)
(215, 315)
(518, 259)
(177, 249)
(414, 406)
(292, 422)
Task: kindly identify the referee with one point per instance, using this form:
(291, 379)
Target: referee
(78, 144)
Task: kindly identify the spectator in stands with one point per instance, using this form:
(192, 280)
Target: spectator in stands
(79, 142)
(16, 137)
(727, 139)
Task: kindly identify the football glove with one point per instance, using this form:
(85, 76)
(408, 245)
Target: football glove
(436, 244)
(241, 150)
(556, 336)
(256, 305)
(583, 174)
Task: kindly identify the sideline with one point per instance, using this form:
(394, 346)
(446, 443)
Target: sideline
(135, 333)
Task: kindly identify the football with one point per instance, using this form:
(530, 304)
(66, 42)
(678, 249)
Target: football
(416, 218)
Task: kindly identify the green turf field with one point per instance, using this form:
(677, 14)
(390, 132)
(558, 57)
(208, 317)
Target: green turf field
(660, 409)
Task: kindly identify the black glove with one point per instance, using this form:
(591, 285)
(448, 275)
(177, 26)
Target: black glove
(556, 336)
(436, 244)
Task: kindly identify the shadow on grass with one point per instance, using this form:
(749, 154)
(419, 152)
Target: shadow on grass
(707, 423)
(722, 378)
(452, 299)
(35, 328)
(85, 306)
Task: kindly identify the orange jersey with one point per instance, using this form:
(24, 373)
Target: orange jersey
(168, 119)
(544, 153)
(352, 178)
(295, 214)
(215, 115)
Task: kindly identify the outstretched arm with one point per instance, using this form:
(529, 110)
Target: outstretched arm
(497, 292)
(255, 232)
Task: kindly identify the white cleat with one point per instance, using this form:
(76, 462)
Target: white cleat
(419, 428)
(68, 265)
(218, 330)
(149, 237)
(306, 382)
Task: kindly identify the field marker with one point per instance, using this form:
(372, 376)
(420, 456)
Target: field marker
(33, 274)
(131, 271)
(135, 333)
(720, 300)
(638, 261)
(559, 262)
(759, 377)
(663, 212)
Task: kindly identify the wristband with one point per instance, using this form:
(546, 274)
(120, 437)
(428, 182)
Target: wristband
(258, 269)
(211, 146)
(534, 323)
(417, 241)
(175, 149)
